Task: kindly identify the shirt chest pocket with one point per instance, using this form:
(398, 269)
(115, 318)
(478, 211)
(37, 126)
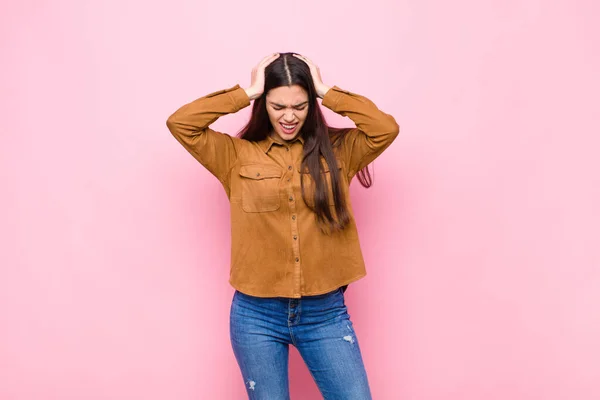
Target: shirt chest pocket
(309, 189)
(259, 185)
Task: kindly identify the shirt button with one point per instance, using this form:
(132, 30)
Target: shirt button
(295, 237)
(290, 167)
(287, 149)
(291, 198)
(293, 217)
(297, 259)
(258, 174)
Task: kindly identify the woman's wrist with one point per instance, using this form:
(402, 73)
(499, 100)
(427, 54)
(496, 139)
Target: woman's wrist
(251, 94)
(322, 91)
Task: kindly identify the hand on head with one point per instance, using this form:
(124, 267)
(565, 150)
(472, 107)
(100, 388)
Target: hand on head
(257, 85)
(320, 87)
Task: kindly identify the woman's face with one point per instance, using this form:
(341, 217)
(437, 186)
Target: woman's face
(287, 107)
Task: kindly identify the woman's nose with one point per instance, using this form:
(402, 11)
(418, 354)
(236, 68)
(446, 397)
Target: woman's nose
(288, 116)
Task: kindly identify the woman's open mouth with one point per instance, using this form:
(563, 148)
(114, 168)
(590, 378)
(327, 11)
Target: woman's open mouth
(288, 128)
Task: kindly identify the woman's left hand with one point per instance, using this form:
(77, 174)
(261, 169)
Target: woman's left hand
(320, 87)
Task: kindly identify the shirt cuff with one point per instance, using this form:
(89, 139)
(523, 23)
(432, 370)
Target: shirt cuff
(239, 97)
(333, 96)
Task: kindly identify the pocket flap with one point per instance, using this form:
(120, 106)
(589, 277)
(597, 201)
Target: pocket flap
(325, 167)
(260, 171)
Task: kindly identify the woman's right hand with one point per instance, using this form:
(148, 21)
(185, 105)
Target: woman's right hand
(257, 85)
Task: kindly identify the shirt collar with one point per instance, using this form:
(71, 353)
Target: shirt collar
(267, 142)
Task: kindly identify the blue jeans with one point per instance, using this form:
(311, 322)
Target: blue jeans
(261, 330)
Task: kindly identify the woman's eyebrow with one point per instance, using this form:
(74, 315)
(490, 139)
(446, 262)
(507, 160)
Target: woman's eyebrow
(282, 106)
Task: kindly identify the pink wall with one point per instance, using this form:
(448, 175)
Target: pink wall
(481, 234)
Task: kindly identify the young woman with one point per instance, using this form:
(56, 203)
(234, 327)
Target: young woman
(294, 246)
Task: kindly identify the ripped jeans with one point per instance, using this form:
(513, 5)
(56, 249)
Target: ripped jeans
(261, 330)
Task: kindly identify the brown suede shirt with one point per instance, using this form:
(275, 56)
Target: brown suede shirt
(277, 248)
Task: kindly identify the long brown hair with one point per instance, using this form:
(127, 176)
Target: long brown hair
(319, 140)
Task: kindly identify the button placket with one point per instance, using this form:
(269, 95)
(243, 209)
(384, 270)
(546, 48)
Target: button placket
(294, 227)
